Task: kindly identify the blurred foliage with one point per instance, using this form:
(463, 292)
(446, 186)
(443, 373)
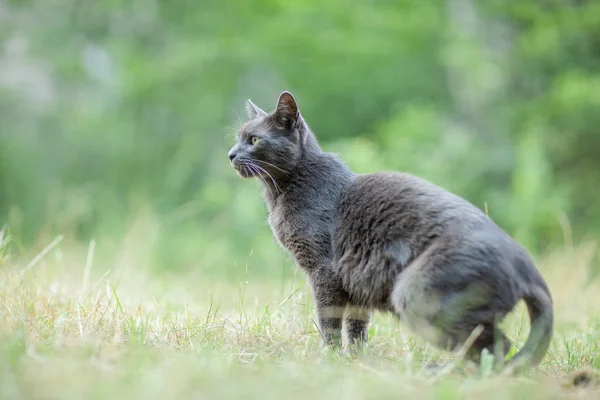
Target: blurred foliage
(116, 116)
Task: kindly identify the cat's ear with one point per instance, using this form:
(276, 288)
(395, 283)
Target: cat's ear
(253, 110)
(287, 110)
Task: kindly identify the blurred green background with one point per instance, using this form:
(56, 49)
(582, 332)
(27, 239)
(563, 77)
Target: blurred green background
(116, 116)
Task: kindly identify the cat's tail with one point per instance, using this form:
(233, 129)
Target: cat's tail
(541, 315)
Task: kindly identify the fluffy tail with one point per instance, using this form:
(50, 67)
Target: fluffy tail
(541, 315)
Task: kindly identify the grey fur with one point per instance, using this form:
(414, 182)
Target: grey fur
(389, 241)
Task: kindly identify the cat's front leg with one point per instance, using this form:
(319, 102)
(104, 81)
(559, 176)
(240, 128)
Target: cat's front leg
(331, 300)
(356, 323)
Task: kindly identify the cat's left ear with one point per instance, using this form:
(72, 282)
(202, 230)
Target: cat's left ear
(253, 110)
(287, 110)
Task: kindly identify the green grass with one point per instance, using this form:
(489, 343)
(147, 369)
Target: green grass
(72, 329)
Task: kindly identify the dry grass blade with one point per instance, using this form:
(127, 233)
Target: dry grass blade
(41, 255)
(460, 354)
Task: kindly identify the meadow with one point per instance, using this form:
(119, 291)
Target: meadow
(71, 329)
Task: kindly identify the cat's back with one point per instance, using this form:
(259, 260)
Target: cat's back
(404, 195)
(391, 207)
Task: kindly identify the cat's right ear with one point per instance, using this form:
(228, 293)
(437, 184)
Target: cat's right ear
(253, 110)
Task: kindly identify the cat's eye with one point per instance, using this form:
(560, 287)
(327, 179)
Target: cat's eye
(254, 140)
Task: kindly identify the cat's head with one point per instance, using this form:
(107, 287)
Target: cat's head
(270, 145)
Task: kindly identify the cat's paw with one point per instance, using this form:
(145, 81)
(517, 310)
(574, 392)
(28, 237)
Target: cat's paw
(333, 340)
(331, 345)
(433, 368)
(329, 350)
(356, 349)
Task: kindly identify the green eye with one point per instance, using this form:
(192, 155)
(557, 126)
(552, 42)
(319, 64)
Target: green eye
(254, 140)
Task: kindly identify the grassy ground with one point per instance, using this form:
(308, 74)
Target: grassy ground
(68, 330)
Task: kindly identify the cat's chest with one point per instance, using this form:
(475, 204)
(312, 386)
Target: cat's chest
(302, 232)
(287, 226)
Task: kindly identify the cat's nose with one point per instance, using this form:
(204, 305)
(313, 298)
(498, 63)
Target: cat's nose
(232, 155)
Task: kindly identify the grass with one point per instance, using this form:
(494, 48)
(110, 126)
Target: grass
(71, 329)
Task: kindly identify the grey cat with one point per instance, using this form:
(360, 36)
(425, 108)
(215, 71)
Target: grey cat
(389, 241)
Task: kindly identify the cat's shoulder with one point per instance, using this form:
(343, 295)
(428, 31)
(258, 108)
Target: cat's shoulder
(400, 188)
(392, 181)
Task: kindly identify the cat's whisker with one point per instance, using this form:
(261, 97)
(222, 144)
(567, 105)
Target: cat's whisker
(275, 185)
(246, 170)
(260, 177)
(248, 167)
(258, 169)
(274, 166)
(269, 175)
(238, 116)
(229, 133)
(251, 171)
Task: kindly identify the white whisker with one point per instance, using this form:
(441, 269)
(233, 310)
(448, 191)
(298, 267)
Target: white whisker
(253, 168)
(269, 175)
(274, 166)
(248, 162)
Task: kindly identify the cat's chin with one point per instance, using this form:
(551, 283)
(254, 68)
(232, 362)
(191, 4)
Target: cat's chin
(243, 173)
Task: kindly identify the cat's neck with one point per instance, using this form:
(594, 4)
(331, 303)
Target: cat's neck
(314, 171)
